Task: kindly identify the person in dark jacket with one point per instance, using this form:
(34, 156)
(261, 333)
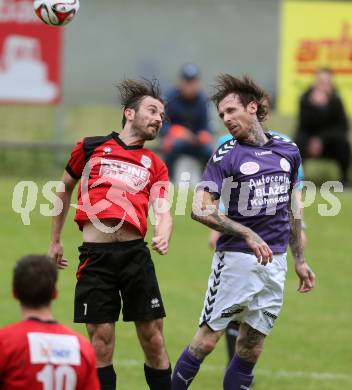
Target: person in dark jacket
(187, 130)
(323, 125)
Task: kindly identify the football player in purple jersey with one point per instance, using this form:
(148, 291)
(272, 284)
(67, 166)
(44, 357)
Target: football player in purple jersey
(255, 175)
(232, 329)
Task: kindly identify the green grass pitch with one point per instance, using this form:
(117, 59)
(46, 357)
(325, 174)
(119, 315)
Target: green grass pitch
(310, 347)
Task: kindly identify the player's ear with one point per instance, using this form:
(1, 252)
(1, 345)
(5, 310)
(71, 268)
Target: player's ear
(252, 107)
(54, 294)
(129, 114)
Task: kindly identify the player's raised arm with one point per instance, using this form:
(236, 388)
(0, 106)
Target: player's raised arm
(205, 210)
(305, 274)
(56, 249)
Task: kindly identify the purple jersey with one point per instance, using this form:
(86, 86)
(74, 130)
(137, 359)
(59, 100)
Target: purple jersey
(254, 184)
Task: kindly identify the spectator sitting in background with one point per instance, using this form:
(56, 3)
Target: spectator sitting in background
(187, 131)
(323, 125)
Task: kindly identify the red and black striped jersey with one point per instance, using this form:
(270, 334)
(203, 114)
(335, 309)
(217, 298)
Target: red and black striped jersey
(117, 180)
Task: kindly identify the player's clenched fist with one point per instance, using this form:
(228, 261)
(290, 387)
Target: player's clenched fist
(160, 244)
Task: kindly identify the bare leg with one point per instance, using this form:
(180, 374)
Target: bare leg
(250, 343)
(249, 346)
(157, 367)
(188, 364)
(150, 334)
(204, 342)
(102, 337)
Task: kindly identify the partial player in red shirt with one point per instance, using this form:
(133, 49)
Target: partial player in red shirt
(119, 180)
(38, 353)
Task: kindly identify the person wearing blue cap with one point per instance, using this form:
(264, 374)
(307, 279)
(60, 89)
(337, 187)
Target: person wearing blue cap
(187, 130)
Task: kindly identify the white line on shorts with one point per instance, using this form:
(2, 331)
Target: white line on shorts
(319, 376)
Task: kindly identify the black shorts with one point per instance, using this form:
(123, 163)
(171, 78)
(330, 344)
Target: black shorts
(109, 272)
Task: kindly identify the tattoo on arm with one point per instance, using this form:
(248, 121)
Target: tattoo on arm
(216, 220)
(295, 239)
(221, 223)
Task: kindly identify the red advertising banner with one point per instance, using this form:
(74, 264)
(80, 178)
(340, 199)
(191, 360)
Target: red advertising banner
(30, 56)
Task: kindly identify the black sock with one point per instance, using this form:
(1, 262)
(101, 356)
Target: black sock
(107, 377)
(158, 379)
(231, 336)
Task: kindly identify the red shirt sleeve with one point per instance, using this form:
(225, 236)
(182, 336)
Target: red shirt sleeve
(161, 183)
(77, 161)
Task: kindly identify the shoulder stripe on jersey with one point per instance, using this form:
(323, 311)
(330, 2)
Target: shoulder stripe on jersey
(91, 143)
(223, 150)
(285, 139)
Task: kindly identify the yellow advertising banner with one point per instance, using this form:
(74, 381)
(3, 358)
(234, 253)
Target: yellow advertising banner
(314, 35)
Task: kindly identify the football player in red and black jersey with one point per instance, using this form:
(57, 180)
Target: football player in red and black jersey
(38, 353)
(119, 179)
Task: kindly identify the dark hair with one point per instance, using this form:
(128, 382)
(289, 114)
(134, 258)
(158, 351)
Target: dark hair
(34, 280)
(132, 93)
(245, 89)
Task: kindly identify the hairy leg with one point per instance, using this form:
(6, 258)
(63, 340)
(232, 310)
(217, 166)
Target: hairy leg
(157, 368)
(102, 337)
(204, 342)
(188, 364)
(249, 343)
(150, 335)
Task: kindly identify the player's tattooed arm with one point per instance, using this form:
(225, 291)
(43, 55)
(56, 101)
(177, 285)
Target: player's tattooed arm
(295, 218)
(205, 210)
(305, 274)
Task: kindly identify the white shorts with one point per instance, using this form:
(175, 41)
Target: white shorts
(240, 289)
